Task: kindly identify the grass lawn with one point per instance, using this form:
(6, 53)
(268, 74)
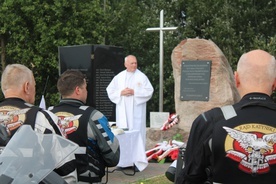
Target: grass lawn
(155, 180)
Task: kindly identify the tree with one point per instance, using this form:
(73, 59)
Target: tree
(235, 26)
(132, 20)
(32, 30)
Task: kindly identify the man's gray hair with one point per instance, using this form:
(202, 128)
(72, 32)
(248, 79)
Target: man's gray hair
(14, 75)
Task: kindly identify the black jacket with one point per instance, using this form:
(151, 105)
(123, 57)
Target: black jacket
(229, 147)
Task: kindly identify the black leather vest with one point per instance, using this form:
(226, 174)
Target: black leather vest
(244, 147)
(74, 121)
(14, 112)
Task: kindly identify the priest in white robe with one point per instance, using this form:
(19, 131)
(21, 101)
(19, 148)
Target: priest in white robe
(130, 90)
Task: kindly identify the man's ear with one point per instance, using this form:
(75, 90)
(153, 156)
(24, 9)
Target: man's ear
(77, 90)
(237, 79)
(274, 85)
(26, 87)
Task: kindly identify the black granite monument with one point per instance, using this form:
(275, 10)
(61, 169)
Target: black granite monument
(195, 80)
(100, 63)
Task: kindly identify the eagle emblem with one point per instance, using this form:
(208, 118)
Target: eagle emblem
(12, 118)
(254, 151)
(68, 123)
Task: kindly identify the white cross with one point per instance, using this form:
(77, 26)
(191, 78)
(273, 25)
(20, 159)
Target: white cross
(161, 29)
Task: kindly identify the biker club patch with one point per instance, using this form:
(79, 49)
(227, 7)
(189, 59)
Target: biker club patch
(12, 117)
(68, 123)
(253, 146)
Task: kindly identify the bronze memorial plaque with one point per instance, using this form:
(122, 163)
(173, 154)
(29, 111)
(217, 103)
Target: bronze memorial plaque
(195, 80)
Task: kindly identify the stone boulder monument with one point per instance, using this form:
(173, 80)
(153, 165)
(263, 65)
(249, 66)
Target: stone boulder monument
(222, 90)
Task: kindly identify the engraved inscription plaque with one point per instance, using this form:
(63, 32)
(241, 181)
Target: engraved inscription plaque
(107, 62)
(195, 80)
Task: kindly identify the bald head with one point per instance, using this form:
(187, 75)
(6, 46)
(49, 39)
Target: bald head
(256, 72)
(131, 63)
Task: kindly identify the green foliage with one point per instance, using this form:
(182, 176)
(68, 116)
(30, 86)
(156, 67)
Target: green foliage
(32, 30)
(178, 137)
(235, 26)
(132, 35)
(162, 161)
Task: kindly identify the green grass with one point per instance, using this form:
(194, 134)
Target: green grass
(155, 180)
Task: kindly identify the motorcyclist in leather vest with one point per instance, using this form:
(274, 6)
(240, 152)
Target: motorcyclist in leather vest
(87, 127)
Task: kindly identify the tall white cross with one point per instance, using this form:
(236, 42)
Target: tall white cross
(161, 53)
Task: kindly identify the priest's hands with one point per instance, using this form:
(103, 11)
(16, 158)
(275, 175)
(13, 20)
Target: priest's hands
(127, 92)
